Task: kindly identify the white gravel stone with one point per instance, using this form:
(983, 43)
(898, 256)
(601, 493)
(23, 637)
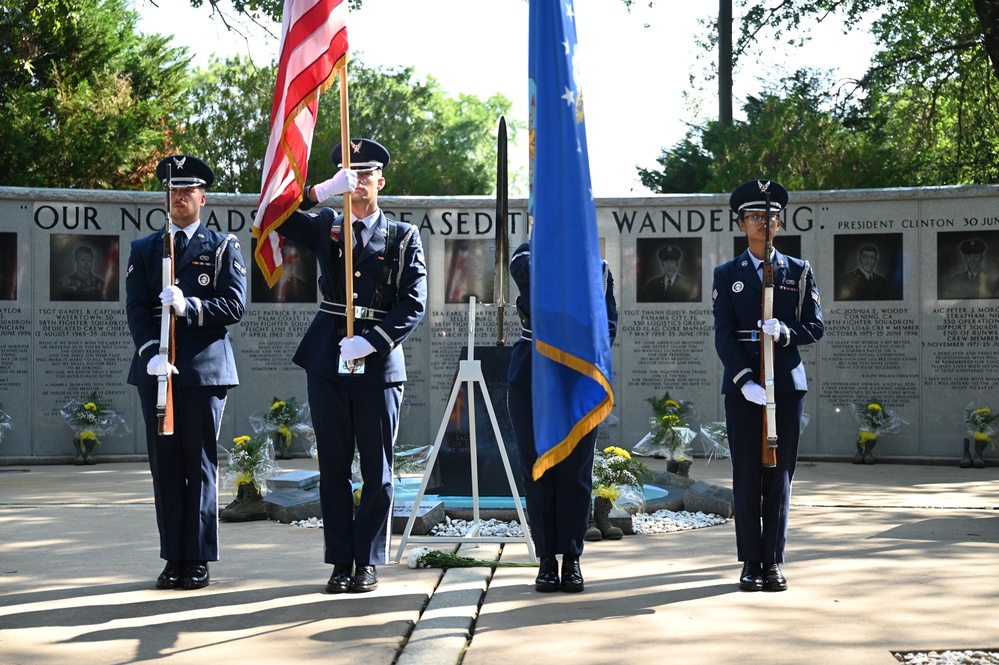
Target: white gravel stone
(668, 521)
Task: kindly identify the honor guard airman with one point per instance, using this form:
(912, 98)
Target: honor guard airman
(558, 503)
(762, 494)
(355, 383)
(208, 293)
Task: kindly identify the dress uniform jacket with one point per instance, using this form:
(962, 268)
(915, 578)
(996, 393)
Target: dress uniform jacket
(396, 314)
(359, 409)
(184, 465)
(737, 294)
(212, 277)
(558, 504)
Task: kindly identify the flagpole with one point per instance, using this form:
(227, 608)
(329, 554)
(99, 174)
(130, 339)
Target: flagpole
(348, 227)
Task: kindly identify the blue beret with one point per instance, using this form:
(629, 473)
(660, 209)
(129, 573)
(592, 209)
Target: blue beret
(184, 171)
(365, 155)
(752, 196)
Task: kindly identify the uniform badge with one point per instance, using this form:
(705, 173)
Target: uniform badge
(204, 279)
(129, 271)
(738, 287)
(335, 233)
(238, 268)
(235, 245)
(789, 282)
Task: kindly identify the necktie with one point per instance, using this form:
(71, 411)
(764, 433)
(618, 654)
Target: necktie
(179, 244)
(358, 238)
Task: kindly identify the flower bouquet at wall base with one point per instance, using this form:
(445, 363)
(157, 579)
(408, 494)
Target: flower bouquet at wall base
(284, 420)
(5, 423)
(251, 464)
(982, 425)
(716, 435)
(618, 478)
(874, 421)
(670, 435)
(90, 420)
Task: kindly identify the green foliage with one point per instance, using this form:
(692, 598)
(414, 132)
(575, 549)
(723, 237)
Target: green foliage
(439, 145)
(229, 121)
(923, 114)
(85, 101)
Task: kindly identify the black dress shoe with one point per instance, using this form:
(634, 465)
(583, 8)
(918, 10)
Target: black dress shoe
(195, 575)
(547, 579)
(752, 577)
(365, 579)
(170, 577)
(340, 579)
(572, 576)
(773, 579)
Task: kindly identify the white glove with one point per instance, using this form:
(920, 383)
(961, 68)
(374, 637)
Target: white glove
(344, 181)
(352, 348)
(153, 367)
(174, 297)
(772, 327)
(754, 392)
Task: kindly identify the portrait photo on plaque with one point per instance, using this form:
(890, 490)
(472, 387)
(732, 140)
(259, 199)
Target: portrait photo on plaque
(8, 265)
(471, 265)
(787, 245)
(297, 284)
(867, 267)
(83, 268)
(967, 265)
(669, 270)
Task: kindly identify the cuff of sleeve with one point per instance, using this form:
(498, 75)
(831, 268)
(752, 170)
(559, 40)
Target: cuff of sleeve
(382, 343)
(742, 378)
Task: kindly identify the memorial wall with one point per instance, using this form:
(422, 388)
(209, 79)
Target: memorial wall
(919, 337)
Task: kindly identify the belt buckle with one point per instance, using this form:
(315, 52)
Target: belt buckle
(754, 336)
(360, 312)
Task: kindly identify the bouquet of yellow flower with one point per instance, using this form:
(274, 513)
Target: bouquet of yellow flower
(982, 425)
(90, 420)
(251, 462)
(616, 473)
(670, 434)
(874, 421)
(284, 419)
(5, 422)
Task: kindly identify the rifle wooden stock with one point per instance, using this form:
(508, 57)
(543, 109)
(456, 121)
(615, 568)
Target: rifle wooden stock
(168, 351)
(502, 255)
(769, 448)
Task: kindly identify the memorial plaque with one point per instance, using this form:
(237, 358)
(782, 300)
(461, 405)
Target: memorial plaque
(909, 280)
(871, 302)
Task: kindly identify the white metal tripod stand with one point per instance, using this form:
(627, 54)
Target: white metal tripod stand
(470, 374)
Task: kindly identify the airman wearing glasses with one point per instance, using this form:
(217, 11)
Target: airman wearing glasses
(761, 494)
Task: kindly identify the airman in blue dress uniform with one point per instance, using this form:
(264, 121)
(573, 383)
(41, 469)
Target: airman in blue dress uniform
(358, 409)
(762, 495)
(558, 503)
(208, 294)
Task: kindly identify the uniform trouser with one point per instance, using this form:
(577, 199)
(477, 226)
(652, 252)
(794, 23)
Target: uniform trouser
(184, 468)
(762, 496)
(558, 503)
(344, 416)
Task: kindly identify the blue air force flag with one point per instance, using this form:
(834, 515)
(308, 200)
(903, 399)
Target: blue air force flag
(571, 357)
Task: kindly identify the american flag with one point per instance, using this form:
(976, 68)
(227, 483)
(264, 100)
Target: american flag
(313, 50)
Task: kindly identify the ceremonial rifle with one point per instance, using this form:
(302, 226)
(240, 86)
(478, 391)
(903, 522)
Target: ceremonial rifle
(168, 351)
(501, 270)
(767, 351)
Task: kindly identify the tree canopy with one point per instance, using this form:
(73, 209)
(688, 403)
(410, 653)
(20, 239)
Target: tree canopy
(439, 145)
(923, 113)
(84, 100)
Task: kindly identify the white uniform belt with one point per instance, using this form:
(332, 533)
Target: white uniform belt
(338, 309)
